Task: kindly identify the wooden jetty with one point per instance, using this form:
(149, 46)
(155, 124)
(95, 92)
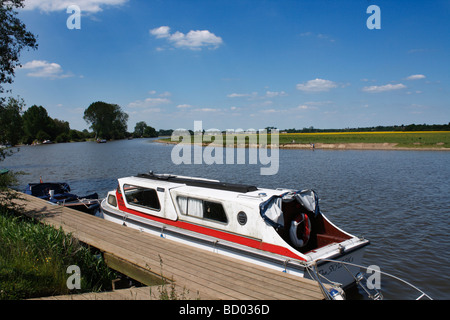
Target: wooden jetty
(146, 258)
(134, 293)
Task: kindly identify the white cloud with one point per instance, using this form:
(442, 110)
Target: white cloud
(91, 6)
(243, 95)
(238, 95)
(416, 77)
(206, 110)
(387, 87)
(271, 94)
(161, 32)
(44, 69)
(318, 36)
(184, 106)
(148, 103)
(163, 95)
(268, 111)
(254, 95)
(316, 85)
(305, 107)
(194, 39)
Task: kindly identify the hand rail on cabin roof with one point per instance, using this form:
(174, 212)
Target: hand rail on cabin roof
(242, 188)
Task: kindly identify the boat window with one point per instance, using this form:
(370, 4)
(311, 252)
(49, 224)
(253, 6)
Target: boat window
(182, 204)
(214, 211)
(112, 200)
(142, 197)
(202, 209)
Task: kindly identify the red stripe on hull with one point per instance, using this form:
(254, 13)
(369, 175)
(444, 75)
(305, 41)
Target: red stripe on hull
(212, 232)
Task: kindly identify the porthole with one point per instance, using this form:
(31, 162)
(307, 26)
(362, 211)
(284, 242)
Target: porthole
(242, 218)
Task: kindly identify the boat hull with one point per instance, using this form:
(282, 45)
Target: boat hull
(330, 270)
(59, 193)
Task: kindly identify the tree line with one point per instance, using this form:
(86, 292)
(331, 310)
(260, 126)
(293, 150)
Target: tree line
(34, 125)
(409, 127)
(107, 121)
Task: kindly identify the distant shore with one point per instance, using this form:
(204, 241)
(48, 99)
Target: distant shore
(376, 140)
(333, 146)
(360, 146)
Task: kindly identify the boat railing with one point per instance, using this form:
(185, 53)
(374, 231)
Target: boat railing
(336, 293)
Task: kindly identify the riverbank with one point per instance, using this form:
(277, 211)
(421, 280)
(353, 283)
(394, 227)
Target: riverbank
(414, 140)
(359, 146)
(34, 260)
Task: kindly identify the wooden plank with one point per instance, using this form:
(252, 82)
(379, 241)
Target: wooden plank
(115, 225)
(204, 273)
(132, 270)
(220, 261)
(140, 293)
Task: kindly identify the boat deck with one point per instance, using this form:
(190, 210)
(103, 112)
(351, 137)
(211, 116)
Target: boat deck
(146, 258)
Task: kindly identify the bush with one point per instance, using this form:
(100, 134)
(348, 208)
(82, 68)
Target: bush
(34, 260)
(63, 137)
(42, 135)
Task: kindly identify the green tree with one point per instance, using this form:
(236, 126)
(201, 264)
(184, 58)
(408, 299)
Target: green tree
(14, 37)
(150, 132)
(76, 135)
(143, 130)
(139, 129)
(107, 120)
(36, 120)
(11, 124)
(58, 128)
(42, 136)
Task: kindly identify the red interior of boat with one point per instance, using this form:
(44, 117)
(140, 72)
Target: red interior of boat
(322, 232)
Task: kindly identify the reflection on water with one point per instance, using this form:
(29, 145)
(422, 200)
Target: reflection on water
(399, 200)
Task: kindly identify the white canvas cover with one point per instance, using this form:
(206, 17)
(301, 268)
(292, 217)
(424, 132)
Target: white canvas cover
(309, 200)
(274, 213)
(271, 210)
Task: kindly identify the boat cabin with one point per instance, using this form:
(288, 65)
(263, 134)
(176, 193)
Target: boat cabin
(277, 217)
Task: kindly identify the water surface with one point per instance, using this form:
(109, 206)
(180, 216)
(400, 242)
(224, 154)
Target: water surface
(399, 200)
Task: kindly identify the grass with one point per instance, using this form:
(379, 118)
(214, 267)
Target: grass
(410, 139)
(415, 139)
(34, 260)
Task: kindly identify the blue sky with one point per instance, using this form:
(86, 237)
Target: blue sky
(241, 64)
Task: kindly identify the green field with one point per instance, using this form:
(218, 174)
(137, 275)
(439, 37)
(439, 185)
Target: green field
(415, 139)
(410, 139)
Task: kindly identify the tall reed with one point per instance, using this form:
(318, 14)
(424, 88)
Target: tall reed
(34, 260)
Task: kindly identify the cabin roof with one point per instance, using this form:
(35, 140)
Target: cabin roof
(203, 183)
(197, 186)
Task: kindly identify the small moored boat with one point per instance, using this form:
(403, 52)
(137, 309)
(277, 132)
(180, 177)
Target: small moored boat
(59, 193)
(282, 229)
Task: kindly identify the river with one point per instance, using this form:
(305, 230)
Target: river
(399, 200)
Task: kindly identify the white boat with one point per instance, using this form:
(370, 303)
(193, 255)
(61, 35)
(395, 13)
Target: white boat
(281, 229)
